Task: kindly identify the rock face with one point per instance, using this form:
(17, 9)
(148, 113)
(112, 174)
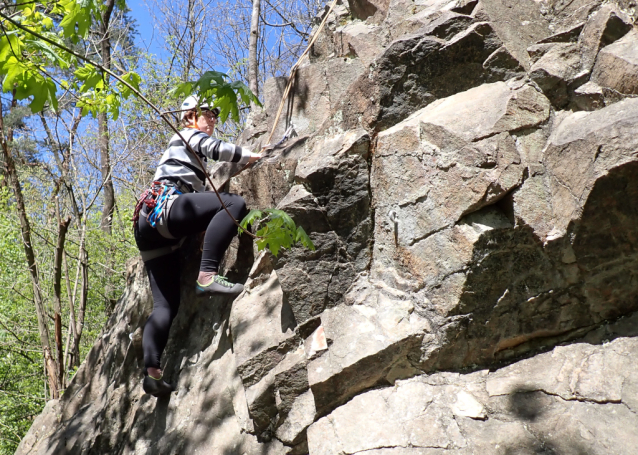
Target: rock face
(468, 173)
(564, 401)
(617, 65)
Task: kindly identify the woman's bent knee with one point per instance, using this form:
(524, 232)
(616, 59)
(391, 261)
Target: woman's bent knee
(237, 203)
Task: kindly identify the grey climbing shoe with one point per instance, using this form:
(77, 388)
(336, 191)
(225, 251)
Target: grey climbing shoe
(156, 387)
(219, 285)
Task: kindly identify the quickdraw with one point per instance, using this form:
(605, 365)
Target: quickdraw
(287, 135)
(155, 199)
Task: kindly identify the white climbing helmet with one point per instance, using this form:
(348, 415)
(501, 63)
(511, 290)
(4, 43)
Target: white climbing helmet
(191, 103)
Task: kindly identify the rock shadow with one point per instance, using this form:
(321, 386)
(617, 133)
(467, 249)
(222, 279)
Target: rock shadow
(288, 321)
(522, 296)
(532, 408)
(143, 422)
(296, 103)
(545, 448)
(524, 403)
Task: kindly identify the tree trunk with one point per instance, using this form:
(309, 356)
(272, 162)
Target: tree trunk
(63, 227)
(62, 155)
(72, 321)
(103, 131)
(83, 264)
(105, 169)
(73, 336)
(253, 63)
(191, 25)
(103, 126)
(25, 227)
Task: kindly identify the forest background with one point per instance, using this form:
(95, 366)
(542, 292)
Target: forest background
(70, 177)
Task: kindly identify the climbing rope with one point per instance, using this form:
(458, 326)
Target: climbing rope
(293, 71)
(291, 82)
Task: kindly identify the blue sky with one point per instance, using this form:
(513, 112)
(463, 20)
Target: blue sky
(148, 38)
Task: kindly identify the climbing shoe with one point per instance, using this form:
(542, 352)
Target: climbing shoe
(156, 387)
(219, 285)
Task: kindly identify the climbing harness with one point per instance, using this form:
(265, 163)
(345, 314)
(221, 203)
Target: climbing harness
(159, 252)
(158, 200)
(156, 217)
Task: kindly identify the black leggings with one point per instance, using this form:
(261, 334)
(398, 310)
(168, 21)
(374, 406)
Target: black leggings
(190, 214)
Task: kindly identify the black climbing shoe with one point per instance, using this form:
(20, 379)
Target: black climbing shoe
(156, 387)
(219, 285)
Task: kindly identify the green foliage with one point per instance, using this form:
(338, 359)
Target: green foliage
(21, 390)
(77, 17)
(133, 79)
(276, 230)
(22, 382)
(24, 58)
(27, 60)
(97, 96)
(216, 89)
(90, 78)
(27, 83)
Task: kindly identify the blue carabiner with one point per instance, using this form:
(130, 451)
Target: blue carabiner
(162, 199)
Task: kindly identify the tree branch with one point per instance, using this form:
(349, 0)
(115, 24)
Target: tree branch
(142, 97)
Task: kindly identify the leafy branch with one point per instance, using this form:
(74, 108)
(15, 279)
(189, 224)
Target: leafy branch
(214, 90)
(276, 230)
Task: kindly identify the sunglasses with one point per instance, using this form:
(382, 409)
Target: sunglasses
(211, 114)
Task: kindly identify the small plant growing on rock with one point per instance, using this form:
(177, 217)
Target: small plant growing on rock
(275, 230)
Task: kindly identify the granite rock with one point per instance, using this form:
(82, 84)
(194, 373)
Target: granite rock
(554, 402)
(617, 65)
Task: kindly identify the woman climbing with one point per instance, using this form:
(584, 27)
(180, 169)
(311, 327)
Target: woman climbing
(177, 206)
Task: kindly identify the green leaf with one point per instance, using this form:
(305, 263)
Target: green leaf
(278, 230)
(182, 90)
(14, 69)
(210, 80)
(77, 14)
(91, 77)
(247, 96)
(286, 220)
(303, 238)
(48, 52)
(46, 92)
(113, 105)
(215, 89)
(133, 79)
(10, 45)
(253, 215)
(21, 5)
(47, 22)
(28, 82)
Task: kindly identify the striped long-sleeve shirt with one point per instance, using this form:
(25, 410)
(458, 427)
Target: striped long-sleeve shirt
(178, 164)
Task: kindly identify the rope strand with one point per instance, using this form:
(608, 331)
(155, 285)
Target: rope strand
(291, 81)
